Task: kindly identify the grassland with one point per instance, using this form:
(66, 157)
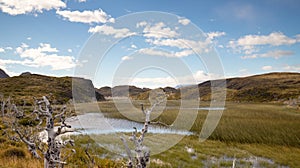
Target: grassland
(263, 123)
(246, 130)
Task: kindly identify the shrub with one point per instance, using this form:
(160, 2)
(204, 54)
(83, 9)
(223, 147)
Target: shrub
(14, 152)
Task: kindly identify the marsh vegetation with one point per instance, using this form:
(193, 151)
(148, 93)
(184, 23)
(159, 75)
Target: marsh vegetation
(249, 134)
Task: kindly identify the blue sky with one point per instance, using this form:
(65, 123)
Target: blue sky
(50, 37)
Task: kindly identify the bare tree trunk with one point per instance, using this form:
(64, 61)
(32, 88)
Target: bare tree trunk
(142, 153)
(52, 148)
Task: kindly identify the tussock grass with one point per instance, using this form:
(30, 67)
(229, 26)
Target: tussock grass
(245, 130)
(263, 123)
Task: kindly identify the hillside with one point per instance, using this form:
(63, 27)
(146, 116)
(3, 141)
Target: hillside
(3, 74)
(27, 86)
(265, 87)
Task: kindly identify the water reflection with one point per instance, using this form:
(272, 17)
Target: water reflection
(96, 123)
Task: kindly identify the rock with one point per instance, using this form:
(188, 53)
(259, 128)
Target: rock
(3, 74)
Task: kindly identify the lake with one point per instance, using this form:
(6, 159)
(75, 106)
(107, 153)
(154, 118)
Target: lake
(96, 123)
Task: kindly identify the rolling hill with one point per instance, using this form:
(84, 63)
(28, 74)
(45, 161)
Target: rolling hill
(27, 86)
(258, 88)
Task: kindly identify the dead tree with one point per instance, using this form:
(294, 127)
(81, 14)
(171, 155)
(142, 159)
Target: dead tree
(142, 152)
(43, 118)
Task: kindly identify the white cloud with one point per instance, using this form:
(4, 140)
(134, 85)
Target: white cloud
(17, 7)
(8, 48)
(195, 78)
(198, 46)
(81, 1)
(158, 30)
(159, 34)
(141, 24)
(44, 55)
(3, 67)
(96, 16)
(109, 30)
(250, 43)
(24, 45)
(155, 52)
(292, 68)
(2, 50)
(28, 38)
(274, 39)
(272, 54)
(267, 68)
(133, 46)
(70, 50)
(213, 35)
(126, 58)
(184, 21)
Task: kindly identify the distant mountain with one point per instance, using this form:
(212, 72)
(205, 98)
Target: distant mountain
(27, 86)
(3, 74)
(257, 88)
(105, 91)
(171, 93)
(122, 91)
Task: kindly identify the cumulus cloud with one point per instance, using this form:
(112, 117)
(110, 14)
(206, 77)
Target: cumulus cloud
(17, 7)
(250, 43)
(267, 68)
(157, 30)
(126, 58)
(272, 54)
(159, 34)
(156, 52)
(70, 50)
(43, 56)
(180, 43)
(96, 16)
(274, 39)
(184, 21)
(2, 50)
(109, 30)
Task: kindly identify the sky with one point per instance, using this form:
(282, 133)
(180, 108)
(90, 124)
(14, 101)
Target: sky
(149, 43)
